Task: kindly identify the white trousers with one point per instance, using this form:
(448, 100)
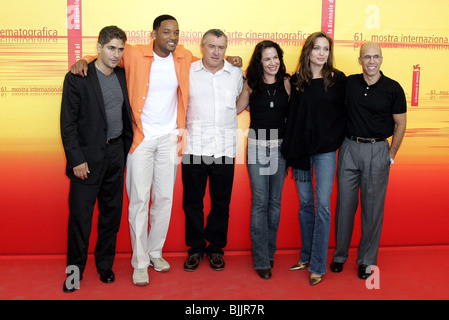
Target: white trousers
(151, 175)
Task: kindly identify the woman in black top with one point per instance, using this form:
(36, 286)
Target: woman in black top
(315, 130)
(265, 95)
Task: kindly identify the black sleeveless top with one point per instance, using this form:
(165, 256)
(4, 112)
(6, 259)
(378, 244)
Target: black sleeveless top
(268, 112)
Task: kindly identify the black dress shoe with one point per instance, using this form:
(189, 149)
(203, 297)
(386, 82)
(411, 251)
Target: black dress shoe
(107, 276)
(216, 261)
(71, 285)
(364, 271)
(336, 266)
(264, 273)
(193, 261)
(68, 290)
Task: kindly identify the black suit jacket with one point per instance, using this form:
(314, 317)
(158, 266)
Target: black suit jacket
(83, 122)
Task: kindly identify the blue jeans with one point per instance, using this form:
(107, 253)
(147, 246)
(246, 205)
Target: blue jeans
(315, 214)
(267, 170)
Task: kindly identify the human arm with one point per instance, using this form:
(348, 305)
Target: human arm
(243, 100)
(400, 124)
(235, 61)
(69, 127)
(79, 68)
(287, 86)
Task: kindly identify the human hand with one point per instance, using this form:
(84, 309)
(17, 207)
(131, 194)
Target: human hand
(81, 171)
(235, 61)
(79, 68)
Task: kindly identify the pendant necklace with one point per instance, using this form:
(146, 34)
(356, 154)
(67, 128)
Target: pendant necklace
(271, 100)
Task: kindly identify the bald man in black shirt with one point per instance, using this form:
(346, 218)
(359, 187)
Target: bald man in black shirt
(376, 111)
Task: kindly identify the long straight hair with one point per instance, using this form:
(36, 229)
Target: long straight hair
(304, 71)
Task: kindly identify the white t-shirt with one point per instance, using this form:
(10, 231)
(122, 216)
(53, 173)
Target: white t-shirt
(160, 111)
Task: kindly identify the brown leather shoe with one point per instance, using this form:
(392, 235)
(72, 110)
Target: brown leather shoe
(216, 261)
(193, 261)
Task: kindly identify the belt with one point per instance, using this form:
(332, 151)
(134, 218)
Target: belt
(113, 140)
(265, 143)
(365, 140)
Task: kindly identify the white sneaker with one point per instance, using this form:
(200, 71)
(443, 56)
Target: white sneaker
(159, 264)
(140, 277)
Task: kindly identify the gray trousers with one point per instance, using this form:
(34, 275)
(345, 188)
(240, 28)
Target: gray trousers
(364, 167)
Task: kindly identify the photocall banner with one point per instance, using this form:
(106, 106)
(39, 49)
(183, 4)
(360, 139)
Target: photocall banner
(40, 40)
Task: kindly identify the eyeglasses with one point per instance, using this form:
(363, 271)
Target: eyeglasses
(375, 57)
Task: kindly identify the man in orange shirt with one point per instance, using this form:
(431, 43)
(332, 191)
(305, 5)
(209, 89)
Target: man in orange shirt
(158, 84)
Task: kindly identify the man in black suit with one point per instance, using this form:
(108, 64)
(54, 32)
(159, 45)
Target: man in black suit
(96, 131)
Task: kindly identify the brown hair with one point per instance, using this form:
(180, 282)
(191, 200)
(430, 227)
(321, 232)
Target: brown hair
(109, 33)
(304, 71)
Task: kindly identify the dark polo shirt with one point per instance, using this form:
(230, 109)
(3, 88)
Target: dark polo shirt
(371, 107)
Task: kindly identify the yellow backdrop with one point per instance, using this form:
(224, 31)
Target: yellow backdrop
(34, 57)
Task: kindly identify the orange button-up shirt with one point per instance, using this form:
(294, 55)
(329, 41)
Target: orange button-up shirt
(136, 61)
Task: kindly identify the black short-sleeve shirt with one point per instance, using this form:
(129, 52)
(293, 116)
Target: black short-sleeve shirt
(371, 107)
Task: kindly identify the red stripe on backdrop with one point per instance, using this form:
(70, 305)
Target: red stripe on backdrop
(74, 31)
(328, 17)
(415, 88)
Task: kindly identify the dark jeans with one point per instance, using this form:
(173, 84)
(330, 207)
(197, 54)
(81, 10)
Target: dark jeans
(195, 172)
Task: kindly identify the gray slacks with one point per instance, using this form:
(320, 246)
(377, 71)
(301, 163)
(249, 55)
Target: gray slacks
(363, 167)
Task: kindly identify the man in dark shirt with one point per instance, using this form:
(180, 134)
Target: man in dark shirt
(376, 111)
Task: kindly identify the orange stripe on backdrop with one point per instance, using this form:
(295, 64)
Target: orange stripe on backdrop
(34, 191)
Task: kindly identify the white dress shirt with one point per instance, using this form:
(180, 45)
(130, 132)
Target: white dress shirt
(211, 119)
